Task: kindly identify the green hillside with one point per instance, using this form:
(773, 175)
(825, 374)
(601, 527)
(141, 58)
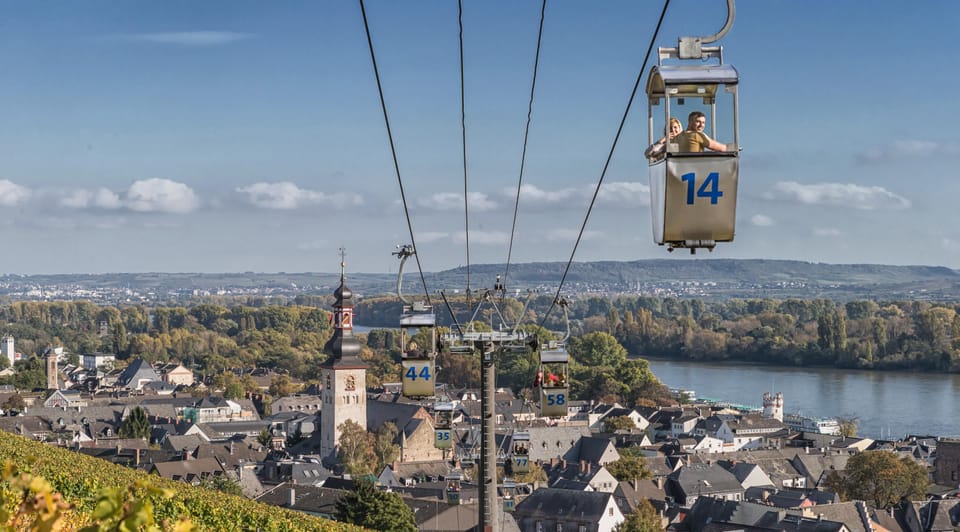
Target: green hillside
(81, 479)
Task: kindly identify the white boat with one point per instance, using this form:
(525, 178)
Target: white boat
(812, 424)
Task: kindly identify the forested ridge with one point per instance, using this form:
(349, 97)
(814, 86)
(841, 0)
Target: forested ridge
(212, 339)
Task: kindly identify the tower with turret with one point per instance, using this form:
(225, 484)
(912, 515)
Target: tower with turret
(7, 349)
(343, 374)
(773, 405)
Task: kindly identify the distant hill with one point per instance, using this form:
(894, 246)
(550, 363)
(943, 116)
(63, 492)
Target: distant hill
(707, 278)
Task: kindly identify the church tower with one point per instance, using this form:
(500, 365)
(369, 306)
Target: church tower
(343, 374)
(52, 383)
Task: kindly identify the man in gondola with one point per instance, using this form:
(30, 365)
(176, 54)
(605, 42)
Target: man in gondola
(694, 139)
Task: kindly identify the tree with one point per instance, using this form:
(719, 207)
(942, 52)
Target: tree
(643, 519)
(883, 478)
(136, 425)
(371, 508)
(264, 437)
(383, 445)
(536, 474)
(614, 424)
(849, 426)
(14, 402)
(356, 448)
(281, 386)
(629, 467)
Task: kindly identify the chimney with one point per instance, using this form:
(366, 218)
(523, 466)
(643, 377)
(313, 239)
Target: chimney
(293, 497)
(395, 466)
(563, 463)
(583, 466)
(659, 483)
(231, 447)
(138, 456)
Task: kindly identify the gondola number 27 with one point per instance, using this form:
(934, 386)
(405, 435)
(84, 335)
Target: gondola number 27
(709, 189)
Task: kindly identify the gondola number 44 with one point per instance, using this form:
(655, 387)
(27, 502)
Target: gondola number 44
(709, 189)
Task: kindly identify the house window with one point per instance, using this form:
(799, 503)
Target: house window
(953, 475)
(351, 383)
(539, 526)
(582, 528)
(559, 527)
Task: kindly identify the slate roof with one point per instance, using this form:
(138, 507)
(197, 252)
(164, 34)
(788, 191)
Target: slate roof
(844, 512)
(138, 370)
(703, 479)
(308, 499)
(560, 504)
(707, 510)
(754, 422)
(187, 470)
(592, 449)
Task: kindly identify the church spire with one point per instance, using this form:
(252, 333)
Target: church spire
(343, 348)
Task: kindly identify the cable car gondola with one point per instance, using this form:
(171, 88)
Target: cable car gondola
(520, 452)
(453, 487)
(418, 362)
(552, 380)
(509, 487)
(442, 427)
(693, 192)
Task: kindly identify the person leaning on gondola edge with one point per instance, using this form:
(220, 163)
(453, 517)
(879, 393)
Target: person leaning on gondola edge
(694, 139)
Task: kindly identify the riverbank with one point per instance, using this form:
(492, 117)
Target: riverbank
(896, 403)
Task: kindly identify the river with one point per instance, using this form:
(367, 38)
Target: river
(891, 402)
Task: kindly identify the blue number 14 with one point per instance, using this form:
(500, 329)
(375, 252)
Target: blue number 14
(712, 181)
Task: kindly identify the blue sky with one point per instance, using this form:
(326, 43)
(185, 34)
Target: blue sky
(234, 136)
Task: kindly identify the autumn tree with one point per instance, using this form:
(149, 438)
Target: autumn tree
(630, 466)
(356, 450)
(883, 478)
(642, 519)
(614, 424)
(383, 445)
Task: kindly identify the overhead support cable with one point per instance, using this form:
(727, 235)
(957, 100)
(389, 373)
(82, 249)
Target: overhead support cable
(393, 150)
(523, 153)
(606, 165)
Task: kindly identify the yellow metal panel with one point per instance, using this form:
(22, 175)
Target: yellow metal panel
(443, 440)
(521, 464)
(418, 377)
(701, 198)
(553, 401)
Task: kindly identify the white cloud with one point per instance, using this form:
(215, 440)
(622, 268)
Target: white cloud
(570, 235)
(12, 194)
(617, 193)
(761, 220)
(535, 194)
(287, 196)
(101, 198)
(826, 231)
(451, 201)
(427, 237)
(909, 149)
(483, 238)
(191, 38)
(625, 193)
(949, 244)
(161, 195)
(845, 195)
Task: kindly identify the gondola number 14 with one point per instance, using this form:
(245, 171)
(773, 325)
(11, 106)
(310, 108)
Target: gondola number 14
(709, 189)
